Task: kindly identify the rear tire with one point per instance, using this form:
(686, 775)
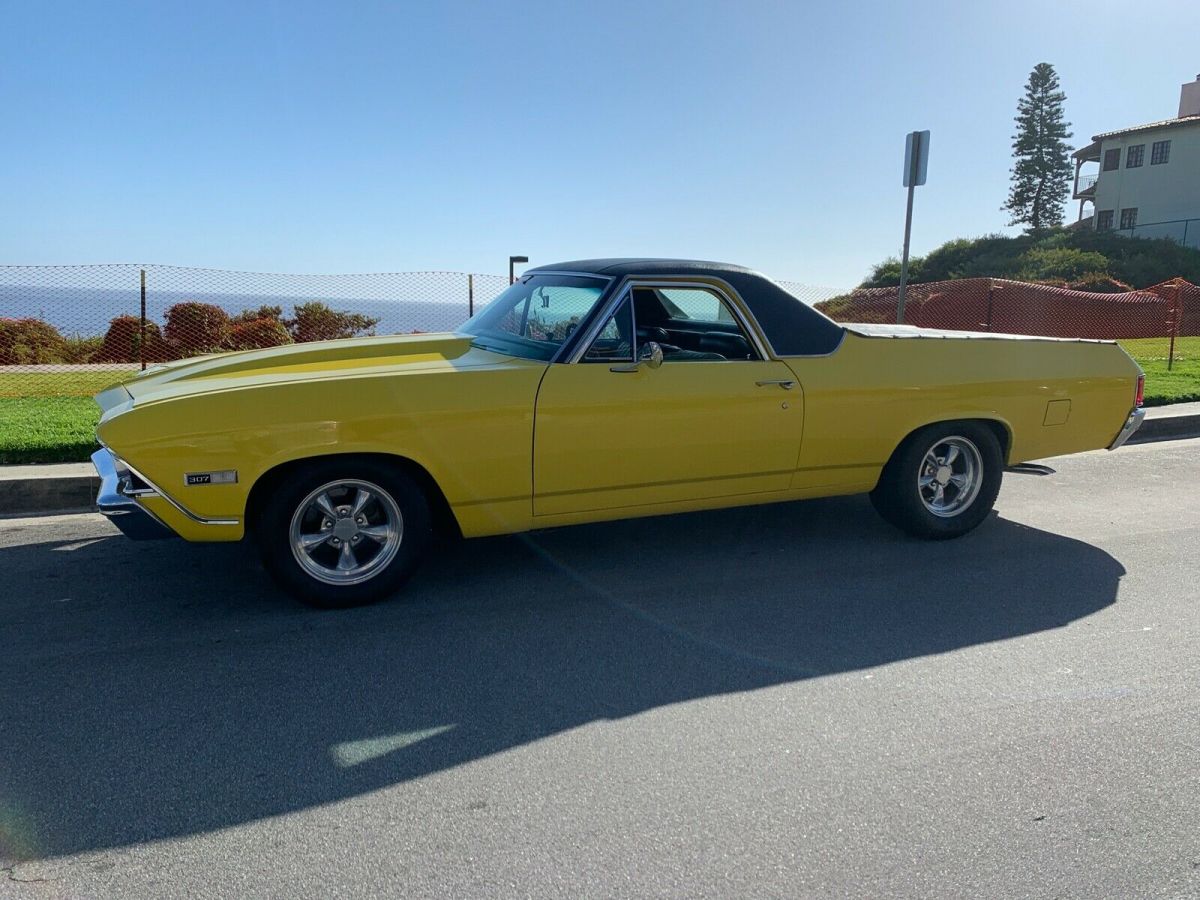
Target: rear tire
(338, 533)
(942, 481)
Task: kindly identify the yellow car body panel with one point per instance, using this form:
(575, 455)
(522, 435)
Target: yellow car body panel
(515, 444)
(688, 431)
(464, 415)
(864, 398)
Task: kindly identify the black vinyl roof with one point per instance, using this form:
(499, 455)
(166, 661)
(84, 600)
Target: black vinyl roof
(792, 327)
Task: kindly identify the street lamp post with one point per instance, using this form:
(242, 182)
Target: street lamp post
(513, 260)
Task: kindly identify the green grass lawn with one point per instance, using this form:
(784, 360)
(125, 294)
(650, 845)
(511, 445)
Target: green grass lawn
(81, 383)
(47, 429)
(48, 417)
(1182, 383)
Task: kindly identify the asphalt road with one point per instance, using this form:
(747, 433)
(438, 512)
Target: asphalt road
(780, 701)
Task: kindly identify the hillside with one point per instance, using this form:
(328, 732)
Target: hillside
(1084, 259)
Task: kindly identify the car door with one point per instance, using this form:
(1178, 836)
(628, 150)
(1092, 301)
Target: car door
(611, 432)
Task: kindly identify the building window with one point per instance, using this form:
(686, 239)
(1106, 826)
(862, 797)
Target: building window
(1112, 159)
(1160, 153)
(1134, 156)
(1104, 220)
(1128, 218)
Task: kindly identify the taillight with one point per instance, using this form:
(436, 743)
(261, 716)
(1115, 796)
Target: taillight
(1141, 391)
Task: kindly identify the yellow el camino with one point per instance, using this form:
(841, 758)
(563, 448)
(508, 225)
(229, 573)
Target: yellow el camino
(590, 390)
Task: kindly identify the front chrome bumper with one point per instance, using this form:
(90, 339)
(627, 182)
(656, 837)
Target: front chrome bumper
(1132, 424)
(115, 503)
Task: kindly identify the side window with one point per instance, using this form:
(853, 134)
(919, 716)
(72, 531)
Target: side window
(696, 325)
(614, 343)
(552, 313)
(698, 304)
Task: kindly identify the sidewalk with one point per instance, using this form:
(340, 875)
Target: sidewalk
(71, 487)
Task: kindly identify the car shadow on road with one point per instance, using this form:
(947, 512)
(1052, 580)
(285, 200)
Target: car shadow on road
(163, 690)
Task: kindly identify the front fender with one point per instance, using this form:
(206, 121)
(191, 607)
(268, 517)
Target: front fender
(472, 430)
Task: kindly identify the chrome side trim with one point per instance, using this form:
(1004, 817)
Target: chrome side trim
(724, 291)
(199, 520)
(153, 490)
(1132, 424)
(597, 325)
(761, 332)
(836, 348)
(530, 272)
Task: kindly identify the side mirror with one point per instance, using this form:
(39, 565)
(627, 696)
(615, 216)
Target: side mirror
(651, 355)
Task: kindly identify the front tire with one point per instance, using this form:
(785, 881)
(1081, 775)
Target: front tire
(344, 532)
(942, 481)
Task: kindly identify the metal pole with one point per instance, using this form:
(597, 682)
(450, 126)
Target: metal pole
(142, 326)
(1174, 324)
(470, 295)
(904, 258)
(511, 277)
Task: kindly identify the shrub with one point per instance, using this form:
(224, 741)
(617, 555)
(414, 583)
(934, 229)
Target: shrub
(30, 342)
(254, 334)
(253, 315)
(1059, 263)
(196, 328)
(1053, 254)
(315, 321)
(81, 349)
(121, 341)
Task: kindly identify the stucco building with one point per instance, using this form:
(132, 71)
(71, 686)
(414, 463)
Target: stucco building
(1147, 178)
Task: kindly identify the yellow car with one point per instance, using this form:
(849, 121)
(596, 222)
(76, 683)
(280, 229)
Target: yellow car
(599, 389)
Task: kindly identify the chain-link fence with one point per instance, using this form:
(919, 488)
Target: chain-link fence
(65, 330)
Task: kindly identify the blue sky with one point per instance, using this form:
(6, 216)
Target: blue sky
(339, 137)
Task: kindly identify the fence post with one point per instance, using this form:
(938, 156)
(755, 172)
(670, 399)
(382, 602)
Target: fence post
(470, 295)
(1175, 314)
(142, 326)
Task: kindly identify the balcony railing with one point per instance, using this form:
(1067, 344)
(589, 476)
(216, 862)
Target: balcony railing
(1086, 186)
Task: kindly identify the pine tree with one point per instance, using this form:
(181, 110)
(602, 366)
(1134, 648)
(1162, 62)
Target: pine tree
(1041, 173)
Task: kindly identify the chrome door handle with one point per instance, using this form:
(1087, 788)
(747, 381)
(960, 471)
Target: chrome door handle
(783, 383)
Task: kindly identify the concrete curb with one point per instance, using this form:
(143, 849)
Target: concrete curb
(1168, 423)
(47, 490)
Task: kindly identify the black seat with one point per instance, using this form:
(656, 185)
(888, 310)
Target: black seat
(730, 346)
(652, 333)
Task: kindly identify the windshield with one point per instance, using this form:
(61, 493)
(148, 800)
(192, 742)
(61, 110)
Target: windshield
(533, 317)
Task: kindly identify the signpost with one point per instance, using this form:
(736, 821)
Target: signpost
(511, 261)
(916, 167)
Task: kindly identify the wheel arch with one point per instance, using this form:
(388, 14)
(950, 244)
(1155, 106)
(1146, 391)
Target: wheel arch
(999, 427)
(444, 521)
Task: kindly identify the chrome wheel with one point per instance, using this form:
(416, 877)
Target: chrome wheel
(950, 476)
(346, 532)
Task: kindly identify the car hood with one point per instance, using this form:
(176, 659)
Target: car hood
(316, 360)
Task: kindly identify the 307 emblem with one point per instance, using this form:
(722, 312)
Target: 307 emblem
(228, 476)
